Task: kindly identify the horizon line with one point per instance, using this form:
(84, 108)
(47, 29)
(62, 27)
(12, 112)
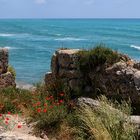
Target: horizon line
(75, 18)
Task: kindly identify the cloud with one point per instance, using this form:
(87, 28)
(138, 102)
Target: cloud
(40, 1)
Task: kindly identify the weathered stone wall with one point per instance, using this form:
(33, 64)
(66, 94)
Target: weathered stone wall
(6, 78)
(63, 66)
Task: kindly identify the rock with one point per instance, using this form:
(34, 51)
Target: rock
(88, 101)
(117, 67)
(137, 79)
(70, 74)
(137, 65)
(64, 67)
(54, 64)
(3, 60)
(49, 77)
(6, 80)
(74, 84)
(67, 58)
(120, 80)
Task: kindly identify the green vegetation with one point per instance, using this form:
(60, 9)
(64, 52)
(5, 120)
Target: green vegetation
(92, 65)
(12, 70)
(52, 115)
(14, 100)
(98, 56)
(52, 111)
(108, 122)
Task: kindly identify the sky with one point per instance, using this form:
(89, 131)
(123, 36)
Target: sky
(69, 8)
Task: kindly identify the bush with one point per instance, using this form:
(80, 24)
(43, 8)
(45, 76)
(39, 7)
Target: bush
(108, 122)
(98, 56)
(14, 100)
(47, 112)
(12, 70)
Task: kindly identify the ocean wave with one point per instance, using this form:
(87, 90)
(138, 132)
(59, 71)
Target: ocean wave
(136, 47)
(6, 35)
(10, 48)
(69, 39)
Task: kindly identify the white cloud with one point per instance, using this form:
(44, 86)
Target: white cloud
(40, 1)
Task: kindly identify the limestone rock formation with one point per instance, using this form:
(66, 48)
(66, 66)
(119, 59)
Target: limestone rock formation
(3, 60)
(6, 78)
(64, 66)
(120, 80)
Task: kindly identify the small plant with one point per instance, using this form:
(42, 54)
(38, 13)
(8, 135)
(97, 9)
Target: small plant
(12, 70)
(48, 112)
(14, 100)
(10, 121)
(98, 56)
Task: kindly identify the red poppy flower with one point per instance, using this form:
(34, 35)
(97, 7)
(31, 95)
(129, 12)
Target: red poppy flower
(51, 107)
(47, 98)
(19, 126)
(38, 110)
(0, 115)
(60, 101)
(57, 103)
(7, 119)
(61, 94)
(38, 103)
(6, 122)
(45, 104)
(9, 112)
(51, 97)
(45, 110)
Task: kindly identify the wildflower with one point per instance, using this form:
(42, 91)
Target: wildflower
(38, 110)
(0, 115)
(7, 119)
(47, 98)
(38, 103)
(45, 104)
(45, 110)
(6, 122)
(9, 112)
(61, 94)
(51, 97)
(51, 107)
(60, 101)
(19, 126)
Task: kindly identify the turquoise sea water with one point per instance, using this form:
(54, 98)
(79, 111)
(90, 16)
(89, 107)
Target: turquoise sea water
(32, 42)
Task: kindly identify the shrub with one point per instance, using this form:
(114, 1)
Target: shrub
(12, 70)
(47, 112)
(98, 56)
(14, 100)
(105, 122)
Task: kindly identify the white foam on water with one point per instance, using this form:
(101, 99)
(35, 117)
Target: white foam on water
(136, 47)
(6, 35)
(69, 39)
(10, 48)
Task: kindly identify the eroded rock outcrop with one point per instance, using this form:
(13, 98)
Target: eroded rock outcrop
(64, 67)
(120, 80)
(6, 78)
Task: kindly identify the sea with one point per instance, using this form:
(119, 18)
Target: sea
(32, 42)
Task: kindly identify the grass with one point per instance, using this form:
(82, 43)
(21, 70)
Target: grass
(52, 110)
(98, 56)
(106, 122)
(11, 70)
(14, 100)
(52, 116)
